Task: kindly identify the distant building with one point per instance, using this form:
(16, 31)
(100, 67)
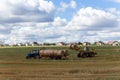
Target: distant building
(86, 44)
(80, 43)
(116, 43)
(1, 43)
(60, 44)
(46, 44)
(27, 44)
(19, 44)
(100, 43)
(110, 42)
(35, 44)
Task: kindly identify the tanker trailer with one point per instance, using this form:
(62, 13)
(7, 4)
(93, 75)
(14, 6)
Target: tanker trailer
(50, 53)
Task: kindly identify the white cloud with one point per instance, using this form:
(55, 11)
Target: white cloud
(63, 7)
(118, 1)
(88, 24)
(89, 18)
(42, 32)
(91, 24)
(59, 22)
(73, 4)
(13, 11)
(46, 6)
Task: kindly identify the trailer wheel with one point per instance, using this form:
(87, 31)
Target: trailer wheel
(59, 57)
(51, 57)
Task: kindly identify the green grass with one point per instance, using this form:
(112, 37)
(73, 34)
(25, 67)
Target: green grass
(104, 66)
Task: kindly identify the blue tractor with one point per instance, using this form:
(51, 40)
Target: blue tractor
(33, 54)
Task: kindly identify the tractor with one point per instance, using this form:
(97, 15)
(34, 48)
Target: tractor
(33, 54)
(87, 52)
(84, 54)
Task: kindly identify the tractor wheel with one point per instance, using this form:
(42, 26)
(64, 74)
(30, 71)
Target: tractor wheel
(51, 57)
(78, 55)
(83, 55)
(37, 57)
(93, 55)
(90, 54)
(56, 58)
(59, 57)
(27, 57)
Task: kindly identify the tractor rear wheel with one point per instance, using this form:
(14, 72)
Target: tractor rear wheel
(37, 57)
(93, 54)
(90, 54)
(78, 55)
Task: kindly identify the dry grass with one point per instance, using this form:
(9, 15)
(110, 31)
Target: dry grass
(60, 70)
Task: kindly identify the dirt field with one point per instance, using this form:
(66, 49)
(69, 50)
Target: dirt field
(105, 66)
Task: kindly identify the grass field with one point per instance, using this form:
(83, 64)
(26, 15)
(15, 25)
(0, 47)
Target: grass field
(104, 66)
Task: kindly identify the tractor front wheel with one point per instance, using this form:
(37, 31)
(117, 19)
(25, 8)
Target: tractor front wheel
(27, 57)
(83, 55)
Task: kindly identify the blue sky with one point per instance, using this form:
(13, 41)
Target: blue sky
(98, 4)
(59, 20)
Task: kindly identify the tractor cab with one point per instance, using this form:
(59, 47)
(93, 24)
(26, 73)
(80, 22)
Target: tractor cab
(33, 54)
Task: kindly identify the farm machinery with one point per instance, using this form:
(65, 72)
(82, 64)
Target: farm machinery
(50, 53)
(33, 54)
(59, 54)
(87, 52)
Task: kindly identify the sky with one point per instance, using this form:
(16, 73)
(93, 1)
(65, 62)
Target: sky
(59, 21)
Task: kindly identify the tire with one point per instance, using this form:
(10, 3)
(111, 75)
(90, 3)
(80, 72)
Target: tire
(59, 57)
(90, 54)
(78, 55)
(51, 57)
(93, 55)
(83, 55)
(56, 58)
(27, 57)
(37, 57)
